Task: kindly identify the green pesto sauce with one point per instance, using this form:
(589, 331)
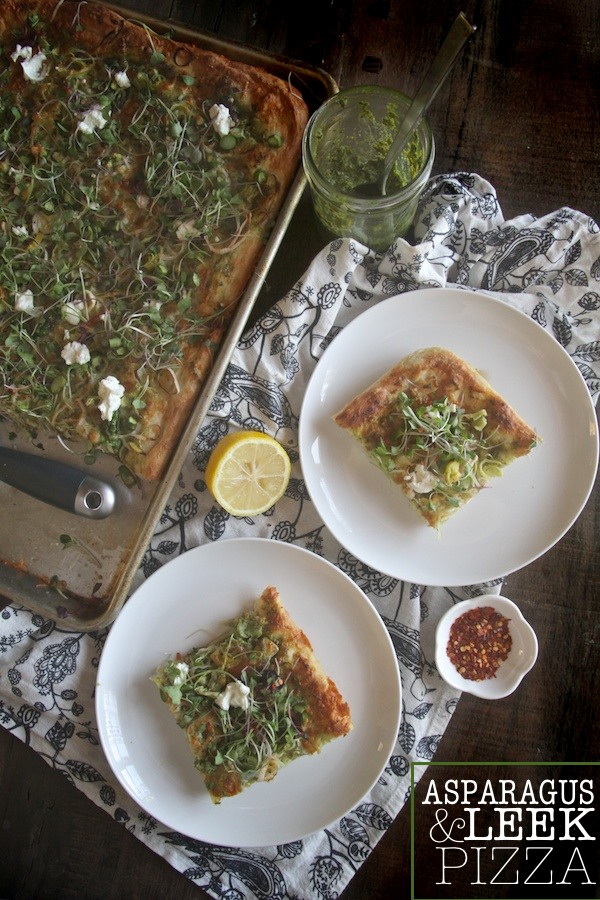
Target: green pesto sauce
(349, 161)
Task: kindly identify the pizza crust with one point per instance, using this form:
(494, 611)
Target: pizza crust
(329, 715)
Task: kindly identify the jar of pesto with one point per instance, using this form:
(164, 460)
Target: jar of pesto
(344, 146)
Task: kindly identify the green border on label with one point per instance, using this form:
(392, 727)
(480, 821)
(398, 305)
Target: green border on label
(553, 764)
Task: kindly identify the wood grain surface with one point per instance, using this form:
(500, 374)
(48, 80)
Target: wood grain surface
(521, 109)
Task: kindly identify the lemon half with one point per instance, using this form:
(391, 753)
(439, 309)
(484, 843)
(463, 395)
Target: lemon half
(247, 472)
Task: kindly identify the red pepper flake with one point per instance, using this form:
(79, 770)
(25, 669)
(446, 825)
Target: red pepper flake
(479, 641)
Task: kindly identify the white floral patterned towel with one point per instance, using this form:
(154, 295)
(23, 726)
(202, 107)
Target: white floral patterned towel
(549, 268)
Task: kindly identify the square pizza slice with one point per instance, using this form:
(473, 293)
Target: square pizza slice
(253, 700)
(437, 429)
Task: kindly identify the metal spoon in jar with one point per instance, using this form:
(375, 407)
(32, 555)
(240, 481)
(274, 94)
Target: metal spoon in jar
(455, 40)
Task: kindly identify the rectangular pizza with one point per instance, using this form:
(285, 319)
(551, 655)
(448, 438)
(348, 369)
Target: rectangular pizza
(253, 700)
(437, 429)
(139, 180)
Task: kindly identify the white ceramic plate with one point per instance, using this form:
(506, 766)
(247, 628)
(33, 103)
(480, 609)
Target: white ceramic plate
(505, 527)
(185, 604)
(512, 670)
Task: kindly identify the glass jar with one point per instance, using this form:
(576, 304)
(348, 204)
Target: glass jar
(344, 146)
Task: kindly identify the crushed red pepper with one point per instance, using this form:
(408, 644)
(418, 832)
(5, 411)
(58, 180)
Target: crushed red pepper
(479, 641)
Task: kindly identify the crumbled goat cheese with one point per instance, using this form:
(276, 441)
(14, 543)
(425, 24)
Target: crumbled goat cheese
(110, 391)
(76, 311)
(220, 118)
(21, 53)
(33, 64)
(183, 670)
(235, 694)
(92, 119)
(73, 311)
(421, 480)
(20, 231)
(121, 79)
(75, 354)
(25, 303)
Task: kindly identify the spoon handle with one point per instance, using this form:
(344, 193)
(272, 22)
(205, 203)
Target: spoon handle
(455, 40)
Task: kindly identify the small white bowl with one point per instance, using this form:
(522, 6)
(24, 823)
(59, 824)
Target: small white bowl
(511, 671)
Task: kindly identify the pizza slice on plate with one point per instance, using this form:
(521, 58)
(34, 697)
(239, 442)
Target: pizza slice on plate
(438, 430)
(253, 700)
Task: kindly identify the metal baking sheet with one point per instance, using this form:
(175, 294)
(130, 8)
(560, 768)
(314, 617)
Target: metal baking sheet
(79, 571)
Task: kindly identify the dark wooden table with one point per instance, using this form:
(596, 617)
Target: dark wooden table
(520, 109)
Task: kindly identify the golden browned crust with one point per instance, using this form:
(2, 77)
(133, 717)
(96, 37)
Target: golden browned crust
(168, 409)
(433, 374)
(329, 712)
(224, 265)
(426, 376)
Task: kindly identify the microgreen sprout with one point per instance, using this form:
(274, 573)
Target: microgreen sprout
(450, 449)
(68, 540)
(246, 741)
